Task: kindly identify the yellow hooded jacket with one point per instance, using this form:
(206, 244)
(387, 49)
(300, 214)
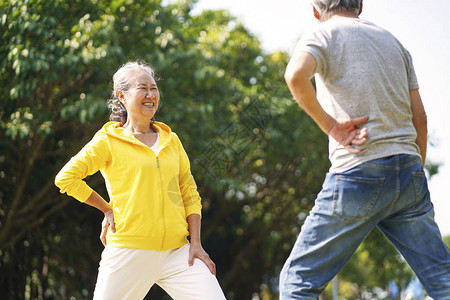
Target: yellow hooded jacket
(151, 195)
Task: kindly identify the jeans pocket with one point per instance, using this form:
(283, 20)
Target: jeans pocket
(354, 197)
(421, 191)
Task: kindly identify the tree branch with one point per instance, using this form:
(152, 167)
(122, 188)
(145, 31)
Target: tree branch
(22, 183)
(37, 221)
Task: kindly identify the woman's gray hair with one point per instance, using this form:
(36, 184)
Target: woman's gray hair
(328, 7)
(122, 82)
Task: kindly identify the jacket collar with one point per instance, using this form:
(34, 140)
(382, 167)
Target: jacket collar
(116, 130)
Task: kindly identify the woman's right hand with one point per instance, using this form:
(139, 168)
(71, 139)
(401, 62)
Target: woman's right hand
(98, 202)
(108, 221)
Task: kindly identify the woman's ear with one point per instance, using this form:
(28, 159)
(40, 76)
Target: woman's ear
(121, 97)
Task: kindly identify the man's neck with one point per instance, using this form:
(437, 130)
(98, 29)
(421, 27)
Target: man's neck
(342, 14)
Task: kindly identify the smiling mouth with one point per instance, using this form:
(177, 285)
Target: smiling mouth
(149, 105)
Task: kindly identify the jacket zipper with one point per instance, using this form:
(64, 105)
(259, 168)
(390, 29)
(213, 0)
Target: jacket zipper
(163, 206)
(162, 194)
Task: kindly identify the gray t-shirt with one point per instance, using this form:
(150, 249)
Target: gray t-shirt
(363, 69)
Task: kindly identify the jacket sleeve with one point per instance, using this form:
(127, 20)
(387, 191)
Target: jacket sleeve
(91, 158)
(188, 187)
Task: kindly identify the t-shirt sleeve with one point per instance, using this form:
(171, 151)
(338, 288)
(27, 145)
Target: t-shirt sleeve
(315, 43)
(412, 78)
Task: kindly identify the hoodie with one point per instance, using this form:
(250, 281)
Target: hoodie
(151, 195)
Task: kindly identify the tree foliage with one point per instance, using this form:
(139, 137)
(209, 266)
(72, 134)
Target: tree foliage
(220, 92)
(257, 158)
(374, 264)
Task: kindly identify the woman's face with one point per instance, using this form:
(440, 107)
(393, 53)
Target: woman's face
(142, 98)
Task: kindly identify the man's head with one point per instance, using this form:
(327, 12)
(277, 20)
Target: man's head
(324, 9)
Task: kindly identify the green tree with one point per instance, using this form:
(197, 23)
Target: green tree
(447, 240)
(373, 265)
(56, 62)
(48, 61)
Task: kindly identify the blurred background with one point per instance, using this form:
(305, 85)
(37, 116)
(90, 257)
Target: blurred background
(257, 158)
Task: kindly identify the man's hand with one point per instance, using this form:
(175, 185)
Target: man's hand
(348, 135)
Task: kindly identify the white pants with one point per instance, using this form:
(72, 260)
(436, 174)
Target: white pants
(130, 273)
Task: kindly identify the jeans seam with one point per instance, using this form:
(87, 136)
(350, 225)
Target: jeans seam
(397, 194)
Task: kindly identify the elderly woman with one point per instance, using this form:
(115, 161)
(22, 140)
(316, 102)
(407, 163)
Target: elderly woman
(154, 204)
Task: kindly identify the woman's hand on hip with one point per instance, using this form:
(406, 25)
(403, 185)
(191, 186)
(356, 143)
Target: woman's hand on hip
(196, 251)
(108, 221)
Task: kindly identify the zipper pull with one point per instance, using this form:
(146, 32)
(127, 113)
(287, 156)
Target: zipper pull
(157, 161)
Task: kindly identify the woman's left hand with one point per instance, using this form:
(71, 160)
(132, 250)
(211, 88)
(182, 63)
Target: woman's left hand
(196, 251)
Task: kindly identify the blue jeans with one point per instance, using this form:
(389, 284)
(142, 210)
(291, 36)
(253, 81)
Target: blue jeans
(390, 193)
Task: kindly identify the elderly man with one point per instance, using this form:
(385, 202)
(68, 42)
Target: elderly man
(369, 105)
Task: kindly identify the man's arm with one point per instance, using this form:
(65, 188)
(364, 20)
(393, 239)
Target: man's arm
(299, 71)
(298, 74)
(419, 119)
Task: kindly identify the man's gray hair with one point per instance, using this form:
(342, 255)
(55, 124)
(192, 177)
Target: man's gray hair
(328, 7)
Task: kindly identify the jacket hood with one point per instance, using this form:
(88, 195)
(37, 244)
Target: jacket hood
(116, 130)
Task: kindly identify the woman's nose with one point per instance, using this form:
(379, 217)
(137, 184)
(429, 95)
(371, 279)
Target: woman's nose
(150, 94)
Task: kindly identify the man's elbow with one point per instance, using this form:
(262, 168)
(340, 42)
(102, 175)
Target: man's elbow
(300, 68)
(289, 76)
(294, 77)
